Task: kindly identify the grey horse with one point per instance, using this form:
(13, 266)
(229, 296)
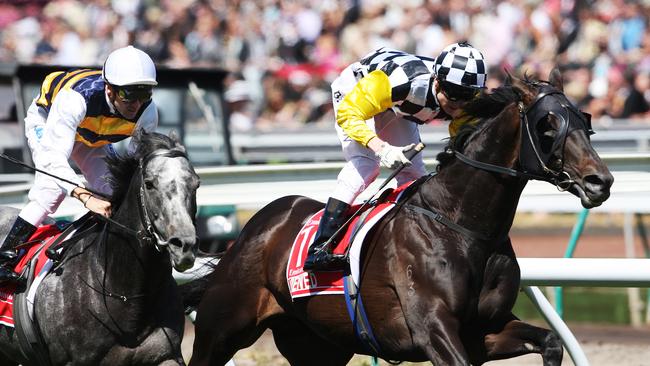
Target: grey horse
(113, 300)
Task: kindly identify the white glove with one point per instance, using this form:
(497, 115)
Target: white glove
(392, 157)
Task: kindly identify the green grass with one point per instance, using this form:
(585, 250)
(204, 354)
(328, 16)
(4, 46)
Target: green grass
(585, 305)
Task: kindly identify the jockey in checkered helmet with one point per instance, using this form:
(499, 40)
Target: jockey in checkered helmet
(461, 71)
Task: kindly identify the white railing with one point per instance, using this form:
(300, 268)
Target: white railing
(597, 272)
(318, 144)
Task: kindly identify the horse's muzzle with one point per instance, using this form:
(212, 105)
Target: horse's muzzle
(593, 189)
(182, 252)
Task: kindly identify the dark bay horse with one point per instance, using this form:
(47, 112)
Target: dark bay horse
(434, 290)
(113, 300)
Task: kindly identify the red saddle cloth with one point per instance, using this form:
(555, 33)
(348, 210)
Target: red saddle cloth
(40, 241)
(303, 283)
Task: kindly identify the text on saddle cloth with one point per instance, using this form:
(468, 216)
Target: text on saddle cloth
(301, 283)
(36, 246)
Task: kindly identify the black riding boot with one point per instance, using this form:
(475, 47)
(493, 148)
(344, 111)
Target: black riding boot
(20, 232)
(319, 255)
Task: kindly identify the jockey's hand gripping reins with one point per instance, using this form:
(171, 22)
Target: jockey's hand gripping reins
(409, 155)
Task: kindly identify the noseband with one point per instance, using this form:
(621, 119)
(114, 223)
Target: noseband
(532, 160)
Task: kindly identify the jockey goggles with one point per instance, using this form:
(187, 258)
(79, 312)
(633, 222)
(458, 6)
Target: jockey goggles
(132, 93)
(457, 93)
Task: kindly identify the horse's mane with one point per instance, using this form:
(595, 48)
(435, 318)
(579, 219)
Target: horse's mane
(485, 106)
(123, 166)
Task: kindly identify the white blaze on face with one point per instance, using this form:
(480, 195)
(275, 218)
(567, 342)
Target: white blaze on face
(171, 178)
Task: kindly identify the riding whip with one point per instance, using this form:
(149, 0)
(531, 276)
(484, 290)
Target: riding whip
(409, 155)
(18, 162)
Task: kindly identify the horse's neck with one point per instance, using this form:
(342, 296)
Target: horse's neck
(124, 259)
(476, 199)
(473, 199)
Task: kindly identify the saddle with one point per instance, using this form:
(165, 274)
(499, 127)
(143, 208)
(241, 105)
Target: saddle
(303, 283)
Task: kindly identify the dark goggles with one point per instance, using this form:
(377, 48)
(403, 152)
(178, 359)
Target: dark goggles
(457, 93)
(134, 93)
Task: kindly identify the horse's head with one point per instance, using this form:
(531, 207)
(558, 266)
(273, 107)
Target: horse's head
(166, 185)
(555, 141)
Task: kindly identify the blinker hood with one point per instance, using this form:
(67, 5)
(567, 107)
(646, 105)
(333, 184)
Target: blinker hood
(533, 157)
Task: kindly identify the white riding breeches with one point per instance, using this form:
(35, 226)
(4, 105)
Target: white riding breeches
(362, 167)
(47, 193)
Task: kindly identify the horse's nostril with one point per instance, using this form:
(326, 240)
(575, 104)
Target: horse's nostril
(176, 242)
(602, 181)
(593, 180)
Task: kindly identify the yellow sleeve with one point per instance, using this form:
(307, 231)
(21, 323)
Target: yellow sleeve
(371, 96)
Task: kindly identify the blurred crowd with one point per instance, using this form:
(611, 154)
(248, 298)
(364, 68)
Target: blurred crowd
(283, 54)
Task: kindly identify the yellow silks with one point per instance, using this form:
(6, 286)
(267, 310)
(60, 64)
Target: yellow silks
(371, 96)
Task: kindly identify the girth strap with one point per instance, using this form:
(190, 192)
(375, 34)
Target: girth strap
(360, 323)
(438, 217)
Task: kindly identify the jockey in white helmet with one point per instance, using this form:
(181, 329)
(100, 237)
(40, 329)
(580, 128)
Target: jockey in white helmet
(78, 115)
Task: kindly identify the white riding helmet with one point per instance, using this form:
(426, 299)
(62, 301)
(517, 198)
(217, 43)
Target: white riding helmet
(129, 66)
(462, 65)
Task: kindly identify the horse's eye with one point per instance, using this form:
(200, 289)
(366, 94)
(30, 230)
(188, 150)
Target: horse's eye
(149, 184)
(546, 135)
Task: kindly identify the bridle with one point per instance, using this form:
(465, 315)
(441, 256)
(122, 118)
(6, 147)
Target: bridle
(149, 234)
(149, 227)
(532, 159)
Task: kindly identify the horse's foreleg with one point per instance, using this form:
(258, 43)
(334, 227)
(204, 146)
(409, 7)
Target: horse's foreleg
(518, 338)
(442, 344)
(228, 321)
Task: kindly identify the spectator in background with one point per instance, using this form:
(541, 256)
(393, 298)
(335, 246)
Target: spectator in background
(635, 105)
(261, 37)
(277, 110)
(152, 37)
(238, 99)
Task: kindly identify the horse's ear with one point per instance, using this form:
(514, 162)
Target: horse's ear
(555, 78)
(522, 88)
(138, 135)
(174, 136)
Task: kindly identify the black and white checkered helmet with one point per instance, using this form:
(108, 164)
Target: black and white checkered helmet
(461, 64)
